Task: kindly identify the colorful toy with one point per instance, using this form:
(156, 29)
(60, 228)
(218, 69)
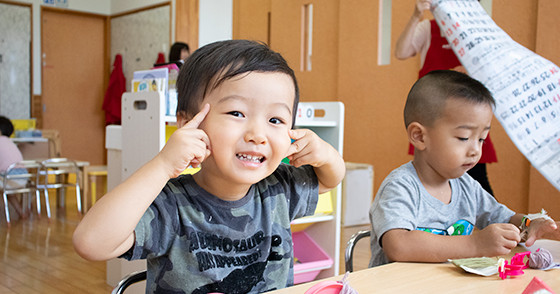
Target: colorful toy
(515, 267)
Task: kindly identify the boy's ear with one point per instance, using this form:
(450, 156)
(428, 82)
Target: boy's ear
(416, 135)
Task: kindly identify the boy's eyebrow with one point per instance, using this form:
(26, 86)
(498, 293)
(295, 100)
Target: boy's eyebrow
(236, 97)
(471, 127)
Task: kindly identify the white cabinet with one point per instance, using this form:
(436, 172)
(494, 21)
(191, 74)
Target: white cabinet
(328, 123)
(144, 134)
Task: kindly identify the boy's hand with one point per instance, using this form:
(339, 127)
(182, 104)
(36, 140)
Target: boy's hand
(307, 148)
(188, 145)
(540, 228)
(496, 239)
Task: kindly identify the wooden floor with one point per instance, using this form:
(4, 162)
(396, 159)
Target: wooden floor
(36, 256)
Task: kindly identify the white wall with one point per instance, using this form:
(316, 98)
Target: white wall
(119, 6)
(215, 21)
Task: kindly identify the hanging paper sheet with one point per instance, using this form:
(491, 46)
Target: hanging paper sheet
(525, 85)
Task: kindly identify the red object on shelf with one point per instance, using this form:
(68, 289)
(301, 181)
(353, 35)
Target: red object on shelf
(311, 258)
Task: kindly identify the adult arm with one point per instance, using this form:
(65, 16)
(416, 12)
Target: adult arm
(404, 48)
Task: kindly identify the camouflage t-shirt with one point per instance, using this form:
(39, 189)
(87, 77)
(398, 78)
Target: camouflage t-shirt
(195, 242)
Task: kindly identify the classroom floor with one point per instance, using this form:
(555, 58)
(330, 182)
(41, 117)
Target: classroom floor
(36, 255)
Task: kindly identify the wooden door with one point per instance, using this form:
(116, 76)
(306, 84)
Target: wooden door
(73, 82)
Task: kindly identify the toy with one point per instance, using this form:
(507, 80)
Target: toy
(515, 267)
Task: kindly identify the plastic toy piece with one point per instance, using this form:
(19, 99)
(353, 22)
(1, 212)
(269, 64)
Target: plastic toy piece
(325, 287)
(513, 268)
(517, 259)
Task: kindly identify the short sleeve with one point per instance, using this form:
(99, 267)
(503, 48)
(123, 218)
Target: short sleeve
(156, 230)
(301, 188)
(395, 208)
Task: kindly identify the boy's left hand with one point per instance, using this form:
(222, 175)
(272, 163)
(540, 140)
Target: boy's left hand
(542, 228)
(307, 148)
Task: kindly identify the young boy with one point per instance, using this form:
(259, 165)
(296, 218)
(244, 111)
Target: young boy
(447, 117)
(227, 227)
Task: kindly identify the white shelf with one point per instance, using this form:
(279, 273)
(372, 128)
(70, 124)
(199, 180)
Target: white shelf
(170, 119)
(325, 124)
(313, 219)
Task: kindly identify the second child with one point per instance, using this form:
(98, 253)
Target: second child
(427, 209)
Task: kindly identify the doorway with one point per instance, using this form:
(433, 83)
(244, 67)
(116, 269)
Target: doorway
(73, 79)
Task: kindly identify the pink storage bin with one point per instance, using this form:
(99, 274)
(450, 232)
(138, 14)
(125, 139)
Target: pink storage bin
(312, 258)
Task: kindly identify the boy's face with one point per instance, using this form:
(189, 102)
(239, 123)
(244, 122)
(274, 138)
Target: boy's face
(248, 123)
(454, 142)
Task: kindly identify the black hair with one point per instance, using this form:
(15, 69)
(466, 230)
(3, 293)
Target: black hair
(6, 126)
(427, 97)
(217, 62)
(175, 51)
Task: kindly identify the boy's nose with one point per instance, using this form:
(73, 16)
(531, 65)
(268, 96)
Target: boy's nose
(255, 134)
(476, 149)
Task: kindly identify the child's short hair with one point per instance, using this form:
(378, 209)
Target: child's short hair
(6, 126)
(214, 63)
(428, 95)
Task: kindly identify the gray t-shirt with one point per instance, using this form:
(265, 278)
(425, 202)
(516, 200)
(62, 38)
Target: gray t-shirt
(402, 202)
(195, 242)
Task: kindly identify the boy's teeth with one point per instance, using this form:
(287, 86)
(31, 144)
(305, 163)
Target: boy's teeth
(250, 157)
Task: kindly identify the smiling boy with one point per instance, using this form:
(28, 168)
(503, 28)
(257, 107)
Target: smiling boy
(227, 227)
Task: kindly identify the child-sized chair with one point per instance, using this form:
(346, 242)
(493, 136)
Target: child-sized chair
(55, 174)
(21, 178)
(91, 176)
(349, 254)
(128, 280)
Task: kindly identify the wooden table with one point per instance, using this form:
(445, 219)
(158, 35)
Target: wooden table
(402, 277)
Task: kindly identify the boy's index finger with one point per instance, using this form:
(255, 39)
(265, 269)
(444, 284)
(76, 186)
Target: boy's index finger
(198, 118)
(297, 134)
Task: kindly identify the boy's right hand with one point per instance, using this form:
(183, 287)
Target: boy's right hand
(188, 145)
(496, 239)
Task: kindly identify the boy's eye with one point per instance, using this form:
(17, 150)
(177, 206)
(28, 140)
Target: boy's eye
(462, 139)
(481, 140)
(276, 121)
(236, 113)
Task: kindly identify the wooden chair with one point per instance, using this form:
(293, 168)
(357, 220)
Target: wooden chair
(55, 174)
(349, 254)
(21, 178)
(128, 280)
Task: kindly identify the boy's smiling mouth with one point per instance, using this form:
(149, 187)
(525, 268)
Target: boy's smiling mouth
(250, 158)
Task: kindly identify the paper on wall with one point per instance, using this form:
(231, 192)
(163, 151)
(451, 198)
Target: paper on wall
(525, 85)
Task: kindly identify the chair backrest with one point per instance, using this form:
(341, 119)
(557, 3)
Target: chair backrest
(59, 166)
(349, 254)
(20, 177)
(128, 280)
